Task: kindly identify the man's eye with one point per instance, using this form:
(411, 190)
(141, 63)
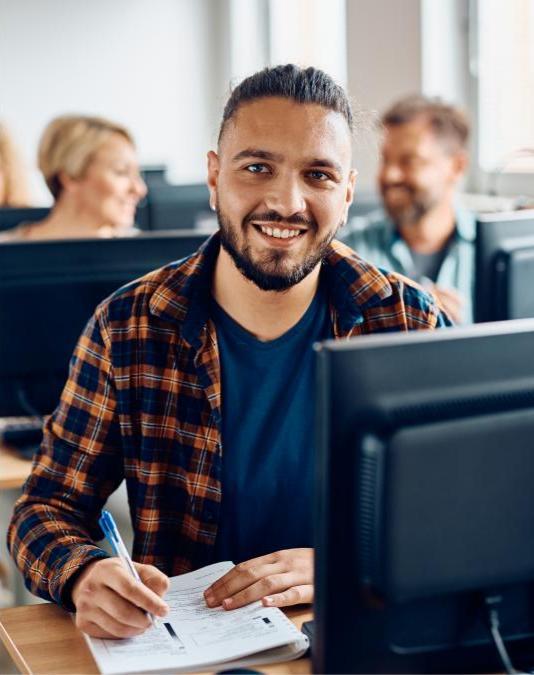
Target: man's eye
(319, 175)
(412, 161)
(256, 168)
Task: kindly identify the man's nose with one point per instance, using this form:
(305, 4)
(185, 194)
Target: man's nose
(391, 174)
(286, 197)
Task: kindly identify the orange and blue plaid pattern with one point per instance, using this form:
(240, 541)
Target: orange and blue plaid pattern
(143, 402)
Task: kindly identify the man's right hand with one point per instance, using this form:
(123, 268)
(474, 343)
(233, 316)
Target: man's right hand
(451, 301)
(110, 603)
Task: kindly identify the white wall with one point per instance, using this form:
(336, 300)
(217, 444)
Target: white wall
(445, 54)
(146, 63)
(384, 63)
(309, 33)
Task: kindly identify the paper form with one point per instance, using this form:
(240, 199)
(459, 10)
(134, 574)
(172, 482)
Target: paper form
(193, 636)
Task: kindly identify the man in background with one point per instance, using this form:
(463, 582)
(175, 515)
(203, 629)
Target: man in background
(423, 234)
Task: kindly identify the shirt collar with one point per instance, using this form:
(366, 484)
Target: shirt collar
(184, 294)
(465, 226)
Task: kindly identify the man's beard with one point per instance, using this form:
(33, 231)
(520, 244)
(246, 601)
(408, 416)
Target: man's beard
(410, 213)
(270, 273)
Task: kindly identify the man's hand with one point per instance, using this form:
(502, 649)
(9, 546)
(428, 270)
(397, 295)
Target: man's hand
(278, 579)
(451, 301)
(110, 603)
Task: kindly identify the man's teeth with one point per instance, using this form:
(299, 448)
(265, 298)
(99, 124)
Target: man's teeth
(278, 233)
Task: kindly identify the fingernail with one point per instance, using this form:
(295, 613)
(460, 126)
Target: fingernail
(227, 603)
(268, 601)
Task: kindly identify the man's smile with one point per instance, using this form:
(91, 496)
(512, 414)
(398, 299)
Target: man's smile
(280, 235)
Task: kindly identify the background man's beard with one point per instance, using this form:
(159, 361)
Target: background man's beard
(411, 213)
(279, 279)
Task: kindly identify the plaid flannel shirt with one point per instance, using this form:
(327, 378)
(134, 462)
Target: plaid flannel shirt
(143, 402)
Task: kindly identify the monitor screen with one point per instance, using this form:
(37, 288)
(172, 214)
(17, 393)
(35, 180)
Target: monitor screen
(504, 262)
(11, 217)
(177, 206)
(49, 290)
(424, 500)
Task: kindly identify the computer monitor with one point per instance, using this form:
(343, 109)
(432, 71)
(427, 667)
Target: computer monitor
(48, 291)
(177, 206)
(504, 262)
(11, 217)
(154, 174)
(425, 500)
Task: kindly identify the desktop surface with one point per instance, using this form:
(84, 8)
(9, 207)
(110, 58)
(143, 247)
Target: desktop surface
(43, 639)
(14, 469)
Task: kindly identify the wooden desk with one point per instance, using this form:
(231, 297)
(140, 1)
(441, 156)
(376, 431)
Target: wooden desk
(13, 469)
(43, 639)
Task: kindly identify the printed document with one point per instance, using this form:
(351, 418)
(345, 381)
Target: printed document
(194, 637)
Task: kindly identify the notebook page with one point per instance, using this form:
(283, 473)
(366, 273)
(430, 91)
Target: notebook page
(194, 636)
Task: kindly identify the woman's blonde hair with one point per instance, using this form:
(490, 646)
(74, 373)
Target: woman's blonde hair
(16, 192)
(69, 143)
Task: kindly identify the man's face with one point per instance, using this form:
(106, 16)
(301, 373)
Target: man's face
(417, 172)
(281, 184)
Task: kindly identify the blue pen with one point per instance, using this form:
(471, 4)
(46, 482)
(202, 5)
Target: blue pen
(109, 528)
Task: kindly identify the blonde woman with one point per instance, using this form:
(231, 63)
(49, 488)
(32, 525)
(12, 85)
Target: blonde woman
(13, 181)
(90, 166)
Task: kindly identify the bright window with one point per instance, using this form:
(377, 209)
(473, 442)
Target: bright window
(504, 64)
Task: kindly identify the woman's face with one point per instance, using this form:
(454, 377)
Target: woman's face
(2, 187)
(111, 186)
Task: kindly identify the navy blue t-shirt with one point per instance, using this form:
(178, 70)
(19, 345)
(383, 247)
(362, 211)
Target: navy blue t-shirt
(268, 410)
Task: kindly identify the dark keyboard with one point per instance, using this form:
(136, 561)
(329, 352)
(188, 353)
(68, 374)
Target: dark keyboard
(22, 433)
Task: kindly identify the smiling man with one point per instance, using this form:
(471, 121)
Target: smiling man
(195, 383)
(423, 234)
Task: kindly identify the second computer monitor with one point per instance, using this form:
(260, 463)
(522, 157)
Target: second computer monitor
(48, 291)
(504, 261)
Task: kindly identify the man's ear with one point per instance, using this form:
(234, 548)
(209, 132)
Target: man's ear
(460, 164)
(349, 195)
(213, 177)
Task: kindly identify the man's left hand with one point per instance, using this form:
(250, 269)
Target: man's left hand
(278, 579)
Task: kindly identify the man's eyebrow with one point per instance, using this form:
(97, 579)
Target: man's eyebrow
(327, 164)
(257, 153)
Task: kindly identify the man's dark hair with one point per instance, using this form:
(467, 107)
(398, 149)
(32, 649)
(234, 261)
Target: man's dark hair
(303, 85)
(448, 123)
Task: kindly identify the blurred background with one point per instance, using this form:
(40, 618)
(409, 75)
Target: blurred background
(164, 69)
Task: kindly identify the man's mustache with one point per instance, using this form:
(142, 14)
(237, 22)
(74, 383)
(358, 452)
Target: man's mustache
(397, 186)
(274, 217)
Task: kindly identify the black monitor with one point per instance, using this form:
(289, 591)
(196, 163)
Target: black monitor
(11, 217)
(177, 206)
(425, 500)
(48, 291)
(154, 174)
(504, 262)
